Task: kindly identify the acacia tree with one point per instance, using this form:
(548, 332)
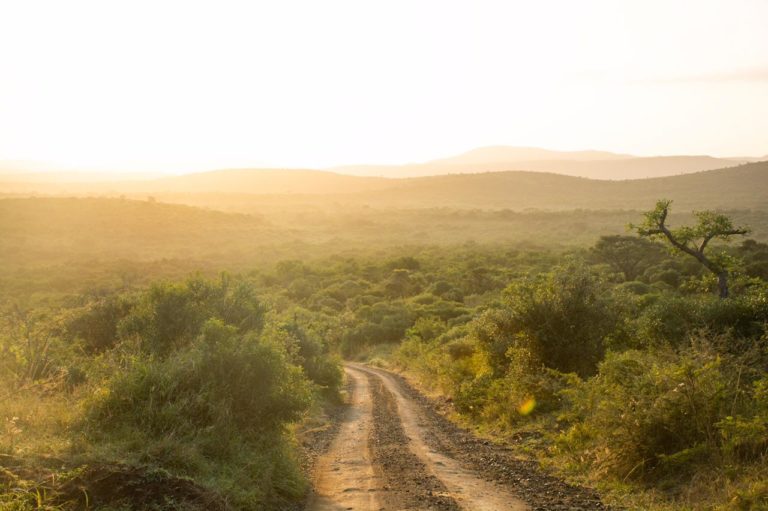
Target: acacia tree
(694, 240)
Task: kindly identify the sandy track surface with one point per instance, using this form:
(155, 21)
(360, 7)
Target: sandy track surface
(344, 477)
(395, 452)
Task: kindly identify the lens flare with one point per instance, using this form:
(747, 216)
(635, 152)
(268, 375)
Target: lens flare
(527, 406)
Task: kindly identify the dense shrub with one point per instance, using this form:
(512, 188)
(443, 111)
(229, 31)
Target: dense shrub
(564, 321)
(96, 323)
(634, 287)
(745, 435)
(169, 315)
(311, 353)
(184, 378)
(670, 319)
(217, 405)
(221, 380)
(628, 255)
(525, 391)
(383, 322)
(659, 415)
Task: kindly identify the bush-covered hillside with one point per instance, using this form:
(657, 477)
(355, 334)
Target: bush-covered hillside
(613, 363)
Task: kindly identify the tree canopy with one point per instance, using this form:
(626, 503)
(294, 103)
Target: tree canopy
(694, 240)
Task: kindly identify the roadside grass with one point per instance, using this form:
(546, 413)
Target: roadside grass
(32, 442)
(34, 420)
(45, 465)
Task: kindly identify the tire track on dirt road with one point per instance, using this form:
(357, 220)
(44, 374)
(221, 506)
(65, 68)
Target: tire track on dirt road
(344, 478)
(462, 484)
(394, 451)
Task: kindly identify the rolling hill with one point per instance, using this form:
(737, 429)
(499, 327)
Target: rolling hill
(268, 181)
(741, 187)
(95, 228)
(589, 164)
(73, 236)
(255, 181)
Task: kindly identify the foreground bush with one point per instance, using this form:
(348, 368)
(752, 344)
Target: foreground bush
(216, 411)
(654, 416)
(192, 383)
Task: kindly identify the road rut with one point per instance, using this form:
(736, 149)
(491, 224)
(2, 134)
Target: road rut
(394, 452)
(344, 476)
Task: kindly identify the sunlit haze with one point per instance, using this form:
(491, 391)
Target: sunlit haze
(180, 85)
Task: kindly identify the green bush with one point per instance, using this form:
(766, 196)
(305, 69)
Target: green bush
(658, 415)
(671, 319)
(382, 322)
(525, 391)
(745, 437)
(471, 393)
(213, 410)
(311, 353)
(635, 287)
(169, 315)
(564, 321)
(223, 379)
(96, 323)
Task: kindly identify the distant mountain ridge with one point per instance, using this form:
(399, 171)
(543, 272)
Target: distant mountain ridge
(589, 164)
(495, 154)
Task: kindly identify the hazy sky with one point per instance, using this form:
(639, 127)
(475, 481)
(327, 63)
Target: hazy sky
(199, 84)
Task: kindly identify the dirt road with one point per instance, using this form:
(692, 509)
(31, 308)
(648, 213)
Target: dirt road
(393, 451)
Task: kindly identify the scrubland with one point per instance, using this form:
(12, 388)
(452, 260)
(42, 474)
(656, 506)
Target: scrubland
(160, 356)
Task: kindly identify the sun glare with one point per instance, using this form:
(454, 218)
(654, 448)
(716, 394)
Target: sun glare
(177, 86)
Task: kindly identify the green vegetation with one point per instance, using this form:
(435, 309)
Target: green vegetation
(195, 383)
(695, 240)
(639, 385)
(52, 247)
(603, 354)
